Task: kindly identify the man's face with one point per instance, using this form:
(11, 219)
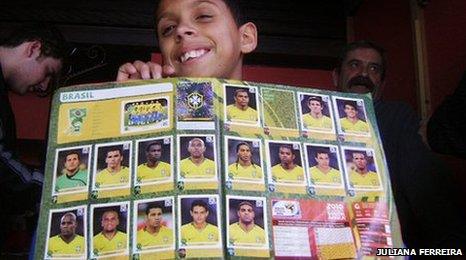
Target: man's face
(286, 156)
(110, 221)
(315, 107)
(246, 214)
(244, 153)
(72, 162)
(199, 215)
(154, 153)
(113, 159)
(154, 218)
(322, 159)
(361, 72)
(360, 161)
(350, 111)
(242, 99)
(196, 148)
(67, 226)
(199, 38)
(34, 73)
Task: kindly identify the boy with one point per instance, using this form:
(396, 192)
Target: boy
(197, 39)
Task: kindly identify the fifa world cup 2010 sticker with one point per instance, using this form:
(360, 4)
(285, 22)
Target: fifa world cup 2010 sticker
(76, 116)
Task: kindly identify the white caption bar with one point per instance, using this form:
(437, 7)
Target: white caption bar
(92, 95)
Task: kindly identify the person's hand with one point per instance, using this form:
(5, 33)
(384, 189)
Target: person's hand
(143, 70)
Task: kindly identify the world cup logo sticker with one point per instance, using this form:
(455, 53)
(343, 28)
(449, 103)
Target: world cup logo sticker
(77, 116)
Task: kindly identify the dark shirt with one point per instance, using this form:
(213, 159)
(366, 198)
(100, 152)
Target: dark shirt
(19, 186)
(425, 196)
(446, 130)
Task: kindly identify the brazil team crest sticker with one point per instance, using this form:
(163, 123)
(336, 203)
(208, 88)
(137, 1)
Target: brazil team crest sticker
(76, 119)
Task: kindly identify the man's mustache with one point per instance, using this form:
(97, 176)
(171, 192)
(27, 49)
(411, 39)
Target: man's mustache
(362, 81)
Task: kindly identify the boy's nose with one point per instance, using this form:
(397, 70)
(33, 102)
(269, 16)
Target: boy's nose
(184, 30)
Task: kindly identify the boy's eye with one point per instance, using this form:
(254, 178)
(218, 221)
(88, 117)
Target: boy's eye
(167, 30)
(204, 17)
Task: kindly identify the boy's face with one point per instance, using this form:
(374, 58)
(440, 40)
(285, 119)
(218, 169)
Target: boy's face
(199, 38)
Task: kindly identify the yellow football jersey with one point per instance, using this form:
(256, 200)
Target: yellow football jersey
(240, 236)
(104, 245)
(106, 178)
(58, 247)
(163, 238)
(359, 126)
(368, 179)
(280, 174)
(332, 176)
(323, 122)
(236, 114)
(161, 171)
(190, 234)
(204, 170)
(249, 172)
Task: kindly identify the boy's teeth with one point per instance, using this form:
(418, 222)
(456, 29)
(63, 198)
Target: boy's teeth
(192, 54)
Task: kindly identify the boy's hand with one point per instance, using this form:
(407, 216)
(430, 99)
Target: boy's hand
(143, 70)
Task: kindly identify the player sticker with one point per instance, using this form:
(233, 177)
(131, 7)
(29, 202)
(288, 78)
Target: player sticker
(109, 229)
(361, 169)
(324, 166)
(197, 158)
(112, 166)
(247, 223)
(155, 161)
(316, 113)
(351, 116)
(199, 222)
(66, 234)
(72, 165)
(241, 105)
(243, 161)
(285, 165)
(154, 225)
(145, 114)
(195, 105)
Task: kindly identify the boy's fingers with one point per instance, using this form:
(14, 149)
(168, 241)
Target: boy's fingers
(125, 71)
(168, 70)
(143, 70)
(155, 69)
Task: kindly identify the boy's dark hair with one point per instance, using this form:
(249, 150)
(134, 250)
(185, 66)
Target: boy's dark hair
(233, 6)
(363, 44)
(199, 203)
(53, 42)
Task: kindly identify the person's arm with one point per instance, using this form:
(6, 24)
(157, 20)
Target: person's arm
(447, 126)
(16, 174)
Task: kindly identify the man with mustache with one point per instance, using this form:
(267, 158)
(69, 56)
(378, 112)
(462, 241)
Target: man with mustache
(424, 194)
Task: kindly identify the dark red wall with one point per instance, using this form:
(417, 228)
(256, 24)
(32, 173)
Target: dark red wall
(388, 23)
(445, 26)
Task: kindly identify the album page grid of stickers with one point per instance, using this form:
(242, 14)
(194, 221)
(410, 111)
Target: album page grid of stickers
(210, 168)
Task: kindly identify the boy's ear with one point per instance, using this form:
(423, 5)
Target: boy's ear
(248, 34)
(33, 49)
